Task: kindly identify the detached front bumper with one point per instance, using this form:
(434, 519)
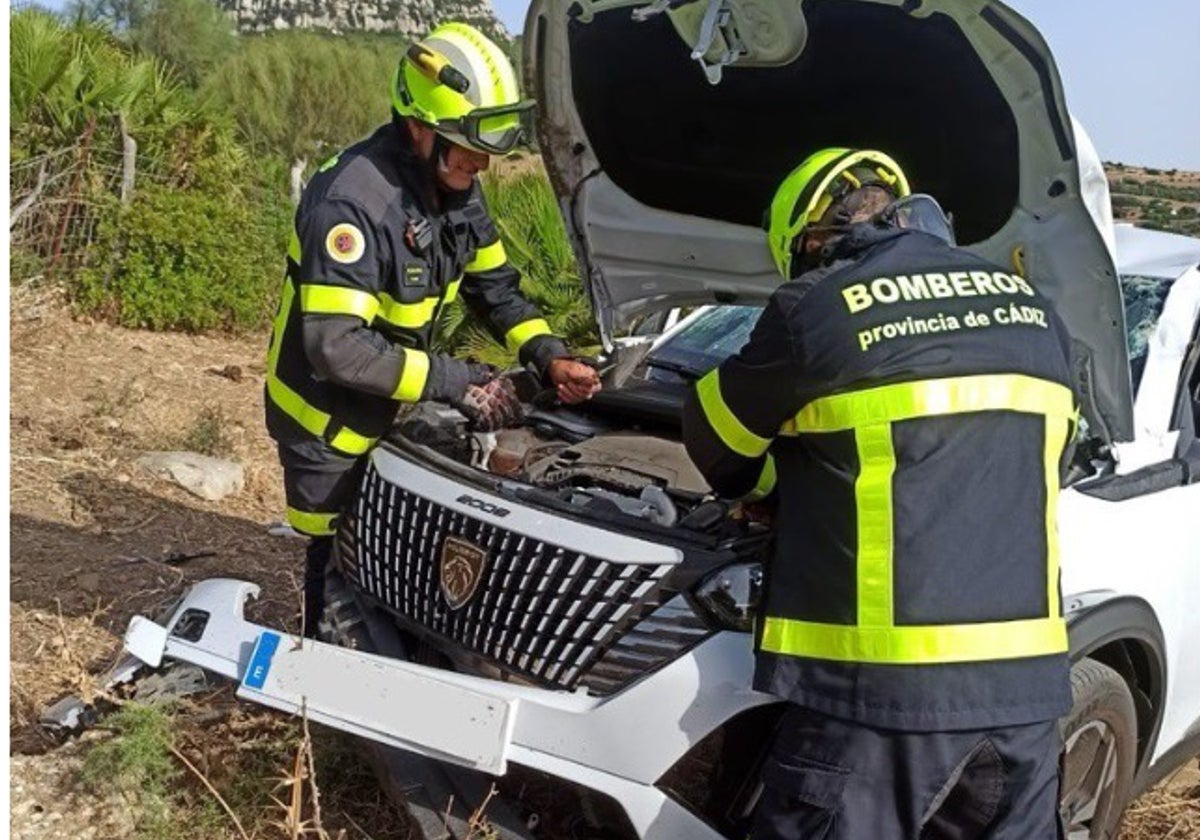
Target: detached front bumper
(618, 745)
(395, 703)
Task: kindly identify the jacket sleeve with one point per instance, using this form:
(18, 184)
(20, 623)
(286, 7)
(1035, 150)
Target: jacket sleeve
(732, 416)
(341, 269)
(491, 289)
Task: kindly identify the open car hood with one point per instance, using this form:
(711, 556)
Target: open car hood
(664, 163)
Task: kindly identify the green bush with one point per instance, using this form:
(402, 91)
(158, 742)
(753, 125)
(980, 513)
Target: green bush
(186, 259)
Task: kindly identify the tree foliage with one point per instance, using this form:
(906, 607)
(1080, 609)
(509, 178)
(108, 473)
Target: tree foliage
(67, 77)
(194, 36)
(218, 125)
(117, 15)
(303, 95)
(63, 78)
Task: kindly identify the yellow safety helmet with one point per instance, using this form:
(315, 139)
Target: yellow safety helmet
(463, 85)
(808, 191)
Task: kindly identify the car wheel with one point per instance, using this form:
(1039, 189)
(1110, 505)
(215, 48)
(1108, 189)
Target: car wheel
(1099, 752)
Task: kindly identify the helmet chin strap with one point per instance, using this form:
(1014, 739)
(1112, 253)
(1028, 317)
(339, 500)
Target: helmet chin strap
(441, 153)
(440, 160)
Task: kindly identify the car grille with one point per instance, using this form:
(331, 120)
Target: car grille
(540, 611)
(658, 639)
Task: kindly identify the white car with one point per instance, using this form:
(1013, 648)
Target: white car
(565, 607)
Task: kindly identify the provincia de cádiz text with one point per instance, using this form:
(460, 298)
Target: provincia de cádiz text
(998, 316)
(884, 291)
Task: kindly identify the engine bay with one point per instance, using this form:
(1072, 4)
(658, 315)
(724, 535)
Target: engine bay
(587, 460)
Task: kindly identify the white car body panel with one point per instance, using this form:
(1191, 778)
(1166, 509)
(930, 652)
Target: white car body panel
(1147, 547)
(1154, 405)
(426, 707)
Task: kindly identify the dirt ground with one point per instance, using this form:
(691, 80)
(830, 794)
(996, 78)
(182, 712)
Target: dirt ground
(92, 533)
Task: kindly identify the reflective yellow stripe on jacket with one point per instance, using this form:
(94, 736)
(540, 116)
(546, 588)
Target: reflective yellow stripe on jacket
(310, 418)
(876, 638)
(487, 258)
(516, 337)
(409, 316)
(413, 376)
(910, 645)
(732, 432)
(337, 300)
(414, 316)
(313, 420)
(766, 481)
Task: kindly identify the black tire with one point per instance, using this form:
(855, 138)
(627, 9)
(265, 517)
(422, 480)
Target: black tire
(1099, 752)
(341, 622)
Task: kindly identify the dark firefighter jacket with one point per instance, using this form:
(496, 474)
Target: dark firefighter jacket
(373, 261)
(911, 404)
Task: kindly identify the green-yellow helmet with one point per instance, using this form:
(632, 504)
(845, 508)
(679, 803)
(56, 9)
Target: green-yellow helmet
(463, 85)
(809, 190)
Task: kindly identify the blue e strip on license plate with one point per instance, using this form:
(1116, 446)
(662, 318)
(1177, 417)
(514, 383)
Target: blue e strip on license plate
(260, 660)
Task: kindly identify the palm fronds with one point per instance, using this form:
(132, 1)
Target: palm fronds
(527, 215)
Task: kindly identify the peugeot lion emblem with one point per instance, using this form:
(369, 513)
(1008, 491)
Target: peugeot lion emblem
(460, 570)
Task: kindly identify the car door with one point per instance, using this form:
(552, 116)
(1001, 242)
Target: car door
(1137, 532)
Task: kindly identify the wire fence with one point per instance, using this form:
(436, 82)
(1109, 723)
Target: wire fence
(58, 199)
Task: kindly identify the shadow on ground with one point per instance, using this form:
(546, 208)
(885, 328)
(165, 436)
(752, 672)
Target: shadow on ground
(116, 557)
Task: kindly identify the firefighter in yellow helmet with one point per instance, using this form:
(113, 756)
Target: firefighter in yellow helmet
(387, 234)
(907, 404)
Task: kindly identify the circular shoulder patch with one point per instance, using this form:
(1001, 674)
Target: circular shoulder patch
(345, 243)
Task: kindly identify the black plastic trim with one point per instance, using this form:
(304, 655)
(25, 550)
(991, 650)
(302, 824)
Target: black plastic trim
(1170, 761)
(1155, 478)
(1043, 72)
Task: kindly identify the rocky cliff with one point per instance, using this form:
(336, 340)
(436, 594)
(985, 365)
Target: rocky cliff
(408, 17)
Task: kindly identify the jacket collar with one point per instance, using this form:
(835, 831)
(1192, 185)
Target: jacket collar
(848, 249)
(862, 237)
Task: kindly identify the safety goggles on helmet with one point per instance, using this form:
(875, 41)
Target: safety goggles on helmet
(497, 130)
(918, 212)
(464, 86)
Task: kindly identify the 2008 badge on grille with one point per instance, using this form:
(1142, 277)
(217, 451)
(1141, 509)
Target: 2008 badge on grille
(460, 570)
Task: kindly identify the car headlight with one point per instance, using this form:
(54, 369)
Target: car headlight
(729, 597)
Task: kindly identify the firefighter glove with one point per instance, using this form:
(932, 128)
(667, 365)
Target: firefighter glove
(491, 406)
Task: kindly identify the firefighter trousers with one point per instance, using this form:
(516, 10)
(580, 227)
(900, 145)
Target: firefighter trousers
(319, 483)
(831, 779)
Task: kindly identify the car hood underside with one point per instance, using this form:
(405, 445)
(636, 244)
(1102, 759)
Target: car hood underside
(664, 175)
